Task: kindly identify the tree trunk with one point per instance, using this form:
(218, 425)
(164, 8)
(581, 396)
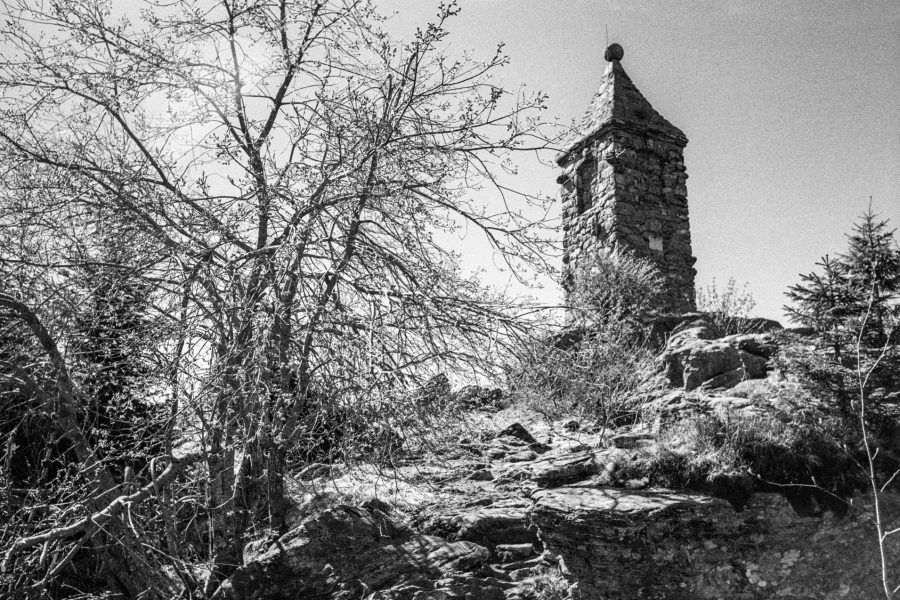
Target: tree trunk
(275, 487)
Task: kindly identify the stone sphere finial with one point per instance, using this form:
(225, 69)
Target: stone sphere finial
(613, 52)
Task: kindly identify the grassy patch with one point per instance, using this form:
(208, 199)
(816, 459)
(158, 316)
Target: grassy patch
(733, 455)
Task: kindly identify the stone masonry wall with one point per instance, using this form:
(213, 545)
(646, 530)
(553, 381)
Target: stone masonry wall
(636, 197)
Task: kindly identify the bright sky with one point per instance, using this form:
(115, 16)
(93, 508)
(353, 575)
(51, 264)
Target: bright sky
(792, 109)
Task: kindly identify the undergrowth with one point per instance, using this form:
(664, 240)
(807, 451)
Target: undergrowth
(606, 377)
(731, 456)
(602, 366)
(728, 310)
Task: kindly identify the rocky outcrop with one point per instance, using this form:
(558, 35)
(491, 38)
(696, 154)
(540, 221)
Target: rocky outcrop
(681, 406)
(349, 552)
(692, 359)
(583, 510)
(665, 545)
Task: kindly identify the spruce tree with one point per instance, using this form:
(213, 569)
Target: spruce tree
(862, 285)
(872, 265)
(823, 302)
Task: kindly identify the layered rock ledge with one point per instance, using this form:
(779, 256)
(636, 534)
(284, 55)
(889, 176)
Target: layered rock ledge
(666, 545)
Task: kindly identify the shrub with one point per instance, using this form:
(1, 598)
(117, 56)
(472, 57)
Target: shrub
(613, 284)
(728, 309)
(606, 376)
(603, 367)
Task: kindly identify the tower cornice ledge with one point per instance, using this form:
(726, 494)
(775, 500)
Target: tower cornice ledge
(585, 138)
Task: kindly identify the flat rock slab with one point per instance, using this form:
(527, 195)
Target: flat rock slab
(556, 469)
(615, 501)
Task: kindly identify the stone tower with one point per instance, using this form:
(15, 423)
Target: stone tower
(623, 186)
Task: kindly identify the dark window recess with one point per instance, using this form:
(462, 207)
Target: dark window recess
(587, 173)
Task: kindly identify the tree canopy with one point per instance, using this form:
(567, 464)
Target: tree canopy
(284, 177)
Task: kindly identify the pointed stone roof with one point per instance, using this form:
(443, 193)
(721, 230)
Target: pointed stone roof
(619, 103)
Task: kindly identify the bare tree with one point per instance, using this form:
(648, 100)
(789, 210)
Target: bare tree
(293, 174)
(878, 484)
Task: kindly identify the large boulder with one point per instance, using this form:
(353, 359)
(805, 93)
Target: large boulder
(665, 545)
(691, 359)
